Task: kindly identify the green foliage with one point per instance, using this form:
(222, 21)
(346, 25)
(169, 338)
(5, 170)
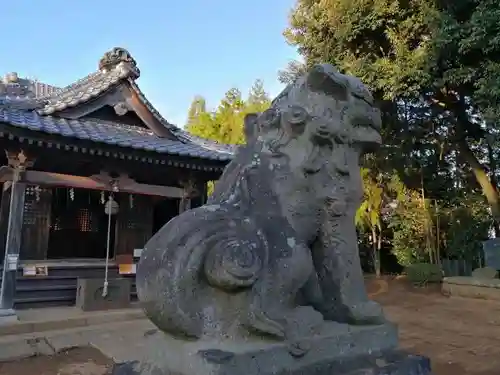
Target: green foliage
(412, 225)
(434, 68)
(292, 72)
(369, 214)
(423, 273)
(226, 123)
(469, 222)
(425, 230)
(385, 43)
(197, 109)
(258, 99)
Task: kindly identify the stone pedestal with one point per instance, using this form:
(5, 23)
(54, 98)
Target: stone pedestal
(8, 316)
(89, 294)
(340, 349)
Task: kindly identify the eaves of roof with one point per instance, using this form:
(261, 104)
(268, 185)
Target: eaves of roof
(111, 133)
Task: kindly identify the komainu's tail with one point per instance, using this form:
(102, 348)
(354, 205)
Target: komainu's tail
(194, 253)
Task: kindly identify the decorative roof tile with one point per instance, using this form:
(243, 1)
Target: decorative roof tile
(112, 133)
(115, 66)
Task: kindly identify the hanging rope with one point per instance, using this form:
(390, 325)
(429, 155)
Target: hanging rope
(109, 209)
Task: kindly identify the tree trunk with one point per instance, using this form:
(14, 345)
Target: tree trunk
(488, 186)
(489, 189)
(379, 248)
(376, 244)
(493, 167)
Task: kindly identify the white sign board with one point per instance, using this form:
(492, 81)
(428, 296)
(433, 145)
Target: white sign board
(35, 270)
(29, 271)
(12, 260)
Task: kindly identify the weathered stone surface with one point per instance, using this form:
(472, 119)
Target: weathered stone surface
(491, 249)
(485, 273)
(389, 363)
(318, 354)
(470, 287)
(467, 280)
(273, 254)
(279, 226)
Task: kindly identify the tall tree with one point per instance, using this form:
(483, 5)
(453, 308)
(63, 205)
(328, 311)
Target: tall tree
(226, 123)
(369, 214)
(201, 122)
(441, 59)
(293, 70)
(198, 108)
(229, 117)
(258, 99)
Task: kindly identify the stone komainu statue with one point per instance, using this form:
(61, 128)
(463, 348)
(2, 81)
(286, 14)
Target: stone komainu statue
(275, 249)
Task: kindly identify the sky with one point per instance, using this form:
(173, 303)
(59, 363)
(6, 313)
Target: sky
(183, 48)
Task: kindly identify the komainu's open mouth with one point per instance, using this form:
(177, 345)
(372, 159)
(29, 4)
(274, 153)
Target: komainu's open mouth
(366, 130)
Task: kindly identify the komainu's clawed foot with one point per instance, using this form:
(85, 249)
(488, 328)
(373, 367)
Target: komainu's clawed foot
(260, 322)
(366, 313)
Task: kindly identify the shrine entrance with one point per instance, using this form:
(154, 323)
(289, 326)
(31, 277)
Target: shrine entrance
(79, 225)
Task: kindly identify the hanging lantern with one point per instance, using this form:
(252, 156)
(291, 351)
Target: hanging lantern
(103, 197)
(72, 194)
(111, 207)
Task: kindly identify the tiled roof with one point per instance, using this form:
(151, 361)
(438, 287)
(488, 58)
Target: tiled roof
(112, 133)
(20, 102)
(13, 87)
(83, 90)
(39, 113)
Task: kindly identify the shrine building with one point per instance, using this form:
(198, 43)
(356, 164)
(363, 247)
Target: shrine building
(90, 171)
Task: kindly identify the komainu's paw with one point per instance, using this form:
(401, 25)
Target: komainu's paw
(366, 313)
(260, 322)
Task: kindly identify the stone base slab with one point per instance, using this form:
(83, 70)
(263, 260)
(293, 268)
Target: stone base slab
(340, 347)
(392, 362)
(469, 287)
(8, 316)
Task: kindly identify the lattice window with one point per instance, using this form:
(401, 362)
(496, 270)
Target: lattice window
(84, 220)
(75, 213)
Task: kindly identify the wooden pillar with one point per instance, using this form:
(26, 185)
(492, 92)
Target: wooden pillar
(185, 201)
(18, 161)
(4, 218)
(195, 194)
(199, 197)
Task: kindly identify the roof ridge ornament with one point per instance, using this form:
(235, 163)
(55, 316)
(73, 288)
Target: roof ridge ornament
(119, 57)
